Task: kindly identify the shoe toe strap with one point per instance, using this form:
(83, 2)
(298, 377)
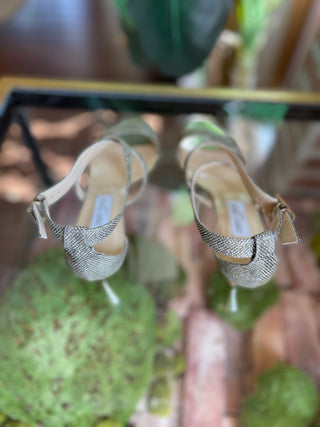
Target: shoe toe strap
(233, 247)
(246, 247)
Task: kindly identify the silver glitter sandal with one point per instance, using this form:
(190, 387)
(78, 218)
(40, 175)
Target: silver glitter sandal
(96, 246)
(244, 222)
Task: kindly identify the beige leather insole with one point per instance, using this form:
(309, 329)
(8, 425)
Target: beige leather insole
(107, 177)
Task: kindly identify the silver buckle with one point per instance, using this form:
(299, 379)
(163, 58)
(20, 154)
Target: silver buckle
(37, 201)
(283, 205)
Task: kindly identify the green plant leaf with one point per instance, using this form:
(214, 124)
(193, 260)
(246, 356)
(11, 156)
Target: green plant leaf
(175, 36)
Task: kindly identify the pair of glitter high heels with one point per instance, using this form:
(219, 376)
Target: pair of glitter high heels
(244, 221)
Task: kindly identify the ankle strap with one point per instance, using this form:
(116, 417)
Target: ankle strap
(136, 132)
(226, 144)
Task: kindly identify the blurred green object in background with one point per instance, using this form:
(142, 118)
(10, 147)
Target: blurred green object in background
(169, 329)
(109, 423)
(315, 240)
(252, 17)
(181, 211)
(156, 268)
(315, 245)
(251, 302)
(159, 397)
(285, 397)
(68, 357)
(172, 36)
(11, 423)
(270, 113)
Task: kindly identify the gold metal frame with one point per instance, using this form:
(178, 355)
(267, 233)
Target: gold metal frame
(9, 84)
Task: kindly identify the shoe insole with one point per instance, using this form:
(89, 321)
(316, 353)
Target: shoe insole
(105, 194)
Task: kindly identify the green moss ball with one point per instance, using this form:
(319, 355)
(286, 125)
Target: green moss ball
(67, 356)
(285, 397)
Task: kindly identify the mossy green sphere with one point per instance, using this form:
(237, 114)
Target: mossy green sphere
(67, 356)
(285, 397)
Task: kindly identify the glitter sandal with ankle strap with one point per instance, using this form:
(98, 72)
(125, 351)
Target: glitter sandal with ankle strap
(244, 221)
(96, 246)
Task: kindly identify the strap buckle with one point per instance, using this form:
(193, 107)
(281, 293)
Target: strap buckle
(36, 211)
(287, 232)
(283, 205)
